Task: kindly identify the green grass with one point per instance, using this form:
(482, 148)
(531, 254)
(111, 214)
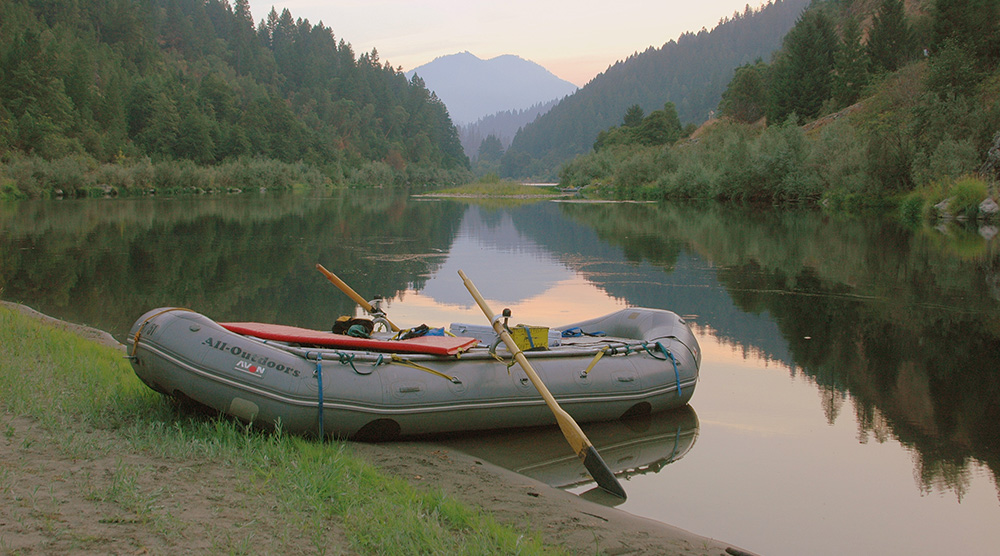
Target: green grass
(966, 194)
(492, 186)
(71, 386)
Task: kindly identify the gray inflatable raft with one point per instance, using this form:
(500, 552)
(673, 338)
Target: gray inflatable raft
(631, 362)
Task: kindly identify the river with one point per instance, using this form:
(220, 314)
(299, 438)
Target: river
(848, 394)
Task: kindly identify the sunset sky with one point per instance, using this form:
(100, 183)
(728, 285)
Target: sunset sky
(574, 39)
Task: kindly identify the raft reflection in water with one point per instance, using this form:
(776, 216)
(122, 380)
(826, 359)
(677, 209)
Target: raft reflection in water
(633, 446)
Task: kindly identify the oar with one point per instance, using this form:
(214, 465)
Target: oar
(570, 429)
(351, 293)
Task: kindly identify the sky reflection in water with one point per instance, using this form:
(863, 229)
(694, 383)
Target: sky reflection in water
(516, 273)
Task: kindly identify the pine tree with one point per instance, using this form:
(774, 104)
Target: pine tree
(243, 34)
(490, 150)
(850, 65)
(973, 25)
(660, 127)
(745, 99)
(803, 72)
(890, 42)
(633, 116)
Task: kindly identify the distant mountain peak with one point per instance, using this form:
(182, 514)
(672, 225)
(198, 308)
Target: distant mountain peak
(472, 88)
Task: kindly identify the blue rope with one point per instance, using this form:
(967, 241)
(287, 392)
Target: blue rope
(677, 375)
(347, 359)
(645, 347)
(576, 332)
(319, 377)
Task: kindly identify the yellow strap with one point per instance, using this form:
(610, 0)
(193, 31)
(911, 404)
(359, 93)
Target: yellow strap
(594, 361)
(408, 363)
(135, 340)
(511, 363)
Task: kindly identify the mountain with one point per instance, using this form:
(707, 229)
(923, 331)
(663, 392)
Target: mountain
(472, 88)
(692, 72)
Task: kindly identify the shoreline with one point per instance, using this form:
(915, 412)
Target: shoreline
(562, 518)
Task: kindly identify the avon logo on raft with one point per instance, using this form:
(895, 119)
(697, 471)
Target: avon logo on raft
(248, 367)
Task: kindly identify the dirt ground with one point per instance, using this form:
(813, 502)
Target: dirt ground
(53, 501)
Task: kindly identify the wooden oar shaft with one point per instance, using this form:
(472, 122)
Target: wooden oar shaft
(342, 286)
(570, 429)
(578, 441)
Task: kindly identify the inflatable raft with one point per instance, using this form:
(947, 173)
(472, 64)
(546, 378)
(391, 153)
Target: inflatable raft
(631, 362)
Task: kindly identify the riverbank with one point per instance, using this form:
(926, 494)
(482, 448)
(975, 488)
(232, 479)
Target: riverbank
(143, 476)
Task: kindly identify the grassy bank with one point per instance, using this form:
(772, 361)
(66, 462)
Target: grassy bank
(493, 186)
(319, 497)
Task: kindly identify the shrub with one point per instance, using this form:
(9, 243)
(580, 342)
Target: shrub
(125, 179)
(966, 195)
(913, 208)
(590, 168)
(889, 158)
(180, 176)
(10, 192)
(691, 180)
(142, 174)
(36, 177)
(373, 174)
(639, 169)
(22, 172)
(950, 159)
(838, 157)
(252, 174)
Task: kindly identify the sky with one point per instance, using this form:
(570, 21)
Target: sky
(574, 39)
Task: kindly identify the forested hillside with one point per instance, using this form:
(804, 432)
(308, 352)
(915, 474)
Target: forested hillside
(867, 102)
(691, 72)
(148, 83)
(504, 125)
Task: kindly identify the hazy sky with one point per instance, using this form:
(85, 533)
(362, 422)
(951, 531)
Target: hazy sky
(574, 39)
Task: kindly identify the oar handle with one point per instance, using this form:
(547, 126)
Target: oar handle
(342, 286)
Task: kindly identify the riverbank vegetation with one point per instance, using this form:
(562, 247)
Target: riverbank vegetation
(85, 395)
(910, 112)
(492, 185)
(111, 95)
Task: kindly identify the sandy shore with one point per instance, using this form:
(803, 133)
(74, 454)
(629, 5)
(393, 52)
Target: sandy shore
(583, 526)
(562, 518)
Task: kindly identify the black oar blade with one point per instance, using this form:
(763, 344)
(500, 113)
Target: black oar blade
(602, 473)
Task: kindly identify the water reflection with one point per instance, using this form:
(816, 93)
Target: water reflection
(632, 447)
(890, 333)
(251, 258)
(902, 325)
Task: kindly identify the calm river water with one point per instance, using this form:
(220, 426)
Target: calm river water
(848, 401)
